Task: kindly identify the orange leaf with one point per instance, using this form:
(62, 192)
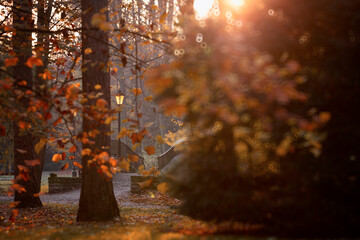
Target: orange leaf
(77, 164)
(133, 158)
(11, 62)
(19, 188)
(324, 117)
(72, 149)
(22, 168)
(87, 51)
(22, 83)
(112, 162)
(33, 61)
(65, 167)
(57, 157)
(136, 91)
(32, 163)
(57, 122)
(46, 75)
(162, 187)
(14, 204)
(148, 98)
(145, 183)
(86, 151)
(22, 124)
(8, 29)
(101, 103)
(14, 213)
(150, 150)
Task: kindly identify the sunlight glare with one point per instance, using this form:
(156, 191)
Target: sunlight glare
(236, 3)
(203, 7)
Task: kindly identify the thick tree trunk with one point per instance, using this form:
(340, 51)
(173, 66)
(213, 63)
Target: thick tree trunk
(97, 199)
(23, 140)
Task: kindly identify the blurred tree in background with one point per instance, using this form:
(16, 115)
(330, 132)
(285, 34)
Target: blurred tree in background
(256, 86)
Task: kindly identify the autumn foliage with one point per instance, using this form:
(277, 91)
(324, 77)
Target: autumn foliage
(254, 139)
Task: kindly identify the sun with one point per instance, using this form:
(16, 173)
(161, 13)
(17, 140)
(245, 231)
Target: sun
(203, 7)
(236, 3)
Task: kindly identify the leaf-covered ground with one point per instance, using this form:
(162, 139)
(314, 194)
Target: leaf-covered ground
(58, 221)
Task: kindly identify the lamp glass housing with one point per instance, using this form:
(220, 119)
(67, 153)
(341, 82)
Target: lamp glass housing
(119, 98)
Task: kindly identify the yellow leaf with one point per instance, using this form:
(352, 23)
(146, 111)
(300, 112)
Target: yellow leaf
(40, 145)
(86, 151)
(57, 157)
(148, 98)
(135, 146)
(163, 188)
(88, 51)
(163, 18)
(97, 19)
(154, 7)
(105, 26)
(123, 164)
(160, 139)
(109, 120)
(97, 86)
(123, 133)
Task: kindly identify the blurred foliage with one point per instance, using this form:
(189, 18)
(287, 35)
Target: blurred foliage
(260, 88)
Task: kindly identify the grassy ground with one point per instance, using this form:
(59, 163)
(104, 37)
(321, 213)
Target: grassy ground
(56, 221)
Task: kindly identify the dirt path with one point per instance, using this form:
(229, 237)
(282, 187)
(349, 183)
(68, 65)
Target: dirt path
(122, 193)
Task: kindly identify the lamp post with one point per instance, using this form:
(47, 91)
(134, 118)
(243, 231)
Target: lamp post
(119, 101)
(75, 173)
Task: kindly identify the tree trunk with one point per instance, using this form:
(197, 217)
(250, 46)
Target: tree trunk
(24, 140)
(170, 17)
(97, 199)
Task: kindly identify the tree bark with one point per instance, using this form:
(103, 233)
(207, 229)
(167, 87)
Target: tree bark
(97, 199)
(24, 140)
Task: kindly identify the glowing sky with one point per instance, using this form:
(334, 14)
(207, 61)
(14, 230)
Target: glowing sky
(203, 7)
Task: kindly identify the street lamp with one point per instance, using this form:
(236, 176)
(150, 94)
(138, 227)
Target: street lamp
(119, 101)
(119, 98)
